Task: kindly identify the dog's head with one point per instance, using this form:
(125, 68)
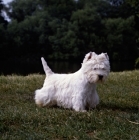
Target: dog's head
(96, 67)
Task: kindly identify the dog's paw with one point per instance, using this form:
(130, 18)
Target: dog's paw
(83, 110)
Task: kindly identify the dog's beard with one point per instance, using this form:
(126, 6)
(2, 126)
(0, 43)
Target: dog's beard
(93, 78)
(96, 78)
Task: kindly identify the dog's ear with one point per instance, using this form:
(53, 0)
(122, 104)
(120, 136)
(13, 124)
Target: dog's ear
(106, 55)
(89, 56)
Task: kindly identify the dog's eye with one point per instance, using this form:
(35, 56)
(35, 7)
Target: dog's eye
(103, 68)
(95, 68)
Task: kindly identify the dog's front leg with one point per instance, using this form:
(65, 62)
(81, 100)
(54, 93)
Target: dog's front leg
(93, 99)
(78, 104)
(79, 108)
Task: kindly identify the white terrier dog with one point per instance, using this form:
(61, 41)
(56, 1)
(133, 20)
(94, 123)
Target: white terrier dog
(77, 90)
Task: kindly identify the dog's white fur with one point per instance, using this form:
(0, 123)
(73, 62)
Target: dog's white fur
(77, 90)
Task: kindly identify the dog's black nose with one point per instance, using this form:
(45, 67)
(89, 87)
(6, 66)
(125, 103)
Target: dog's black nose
(100, 77)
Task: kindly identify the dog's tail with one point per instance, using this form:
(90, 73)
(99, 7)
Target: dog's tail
(47, 70)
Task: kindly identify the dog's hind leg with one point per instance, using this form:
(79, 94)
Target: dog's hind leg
(44, 97)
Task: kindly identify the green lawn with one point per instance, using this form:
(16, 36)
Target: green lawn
(115, 118)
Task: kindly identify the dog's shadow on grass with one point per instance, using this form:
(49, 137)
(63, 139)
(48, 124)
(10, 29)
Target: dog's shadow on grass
(100, 107)
(114, 107)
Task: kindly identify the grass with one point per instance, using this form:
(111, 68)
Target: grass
(115, 118)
